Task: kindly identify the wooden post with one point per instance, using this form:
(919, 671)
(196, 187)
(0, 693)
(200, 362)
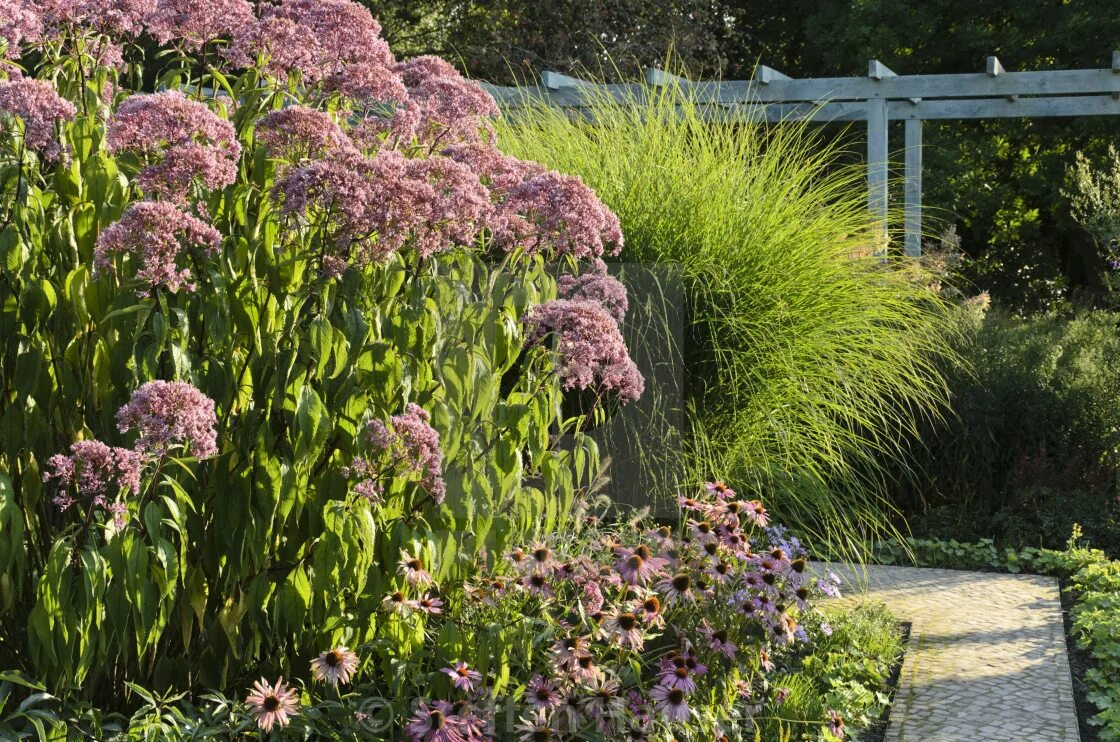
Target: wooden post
(877, 174)
(913, 188)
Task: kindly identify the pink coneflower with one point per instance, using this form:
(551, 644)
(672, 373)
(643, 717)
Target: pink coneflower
(756, 514)
(720, 572)
(272, 704)
(691, 503)
(781, 695)
(536, 729)
(413, 570)
(583, 669)
(396, 602)
(702, 531)
(835, 724)
(537, 584)
(567, 649)
(606, 705)
(469, 724)
(462, 676)
(719, 641)
(334, 666)
(624, 628)
(541, 558)
(720, 490)
(428, 604)
(764, 660)
(672, 703)
(649, 610)
(675, 673)
(677, 587)
(786, 627)
(638, 564)
(432, 724)
(662, 536)
(518, 558)
(542, 694)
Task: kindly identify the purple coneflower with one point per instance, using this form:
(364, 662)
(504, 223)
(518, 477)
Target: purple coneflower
(764, 660)
(835, 724)
(428, 604)
(583, 669)
(396, 602)
(624, 628)
(462, 676)
(720, 490)
(719, 641)
(334, 666)
(431, 724)
(272, 704)
(677, 587)
(536, 729)
(537, 584)
(649, 608)
(413, 570)
(756, 514)
(672, 703)
(606, 705)
(542, 694)
(541, 558)
(638, 564)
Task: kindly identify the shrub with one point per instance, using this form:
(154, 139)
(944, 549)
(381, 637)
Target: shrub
(805, 353)
(1032, 445)
(262, 345)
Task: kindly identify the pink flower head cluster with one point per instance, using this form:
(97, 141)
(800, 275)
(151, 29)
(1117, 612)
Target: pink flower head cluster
(299, 133)
(375, 206)
(412, 446)
(41, 108)
(19, 24)
(97, 472)
(155, 233)
(335, 43)
(599, 287)
(192, 23)
(499, 172)
(643, 617)
(117, 17)
(169, 414)
(193, 142)
(589, 347)
(557, 212)
(445, 108)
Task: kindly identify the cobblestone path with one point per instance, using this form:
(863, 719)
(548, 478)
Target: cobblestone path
(987, 655)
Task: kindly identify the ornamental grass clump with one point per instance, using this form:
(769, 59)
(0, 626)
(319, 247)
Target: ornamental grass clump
(807, 358)
(265, 351)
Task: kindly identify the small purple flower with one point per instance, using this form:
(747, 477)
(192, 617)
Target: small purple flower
(462, 676)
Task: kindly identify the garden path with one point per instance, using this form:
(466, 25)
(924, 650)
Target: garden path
(987, 655)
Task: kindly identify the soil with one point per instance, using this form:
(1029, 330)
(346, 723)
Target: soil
(1079, 662)
(878, 729)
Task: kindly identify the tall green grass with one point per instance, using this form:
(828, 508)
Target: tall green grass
(807, 356)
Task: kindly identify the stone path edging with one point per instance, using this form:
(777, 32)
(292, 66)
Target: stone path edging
(987, 655)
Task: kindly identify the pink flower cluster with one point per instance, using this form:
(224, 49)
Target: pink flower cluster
(444, 107)
(599, 287)
(192, 141)
(19, 24)
(98, 472)
(299, 133)
(118, 17)
(336, 43)
(412, 447)
(41, 109)
(557, 212)
(590, 350)
(155, 234)
(192, 23)
(169, 414)
(375, 206)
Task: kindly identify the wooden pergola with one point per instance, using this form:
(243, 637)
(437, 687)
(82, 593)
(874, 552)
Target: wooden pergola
(879, 98)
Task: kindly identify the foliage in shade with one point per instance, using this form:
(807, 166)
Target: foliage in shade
(807, 354)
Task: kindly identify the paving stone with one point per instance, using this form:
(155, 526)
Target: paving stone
(987, 655)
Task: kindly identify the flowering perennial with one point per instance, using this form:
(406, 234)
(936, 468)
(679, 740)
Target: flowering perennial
(96, 472)
(40, 108)
(192, 23)
(407, 444)
(589, 346)
(193, 142)
(170, 414)
(299, 133)
(605, 290)
(155, 233)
